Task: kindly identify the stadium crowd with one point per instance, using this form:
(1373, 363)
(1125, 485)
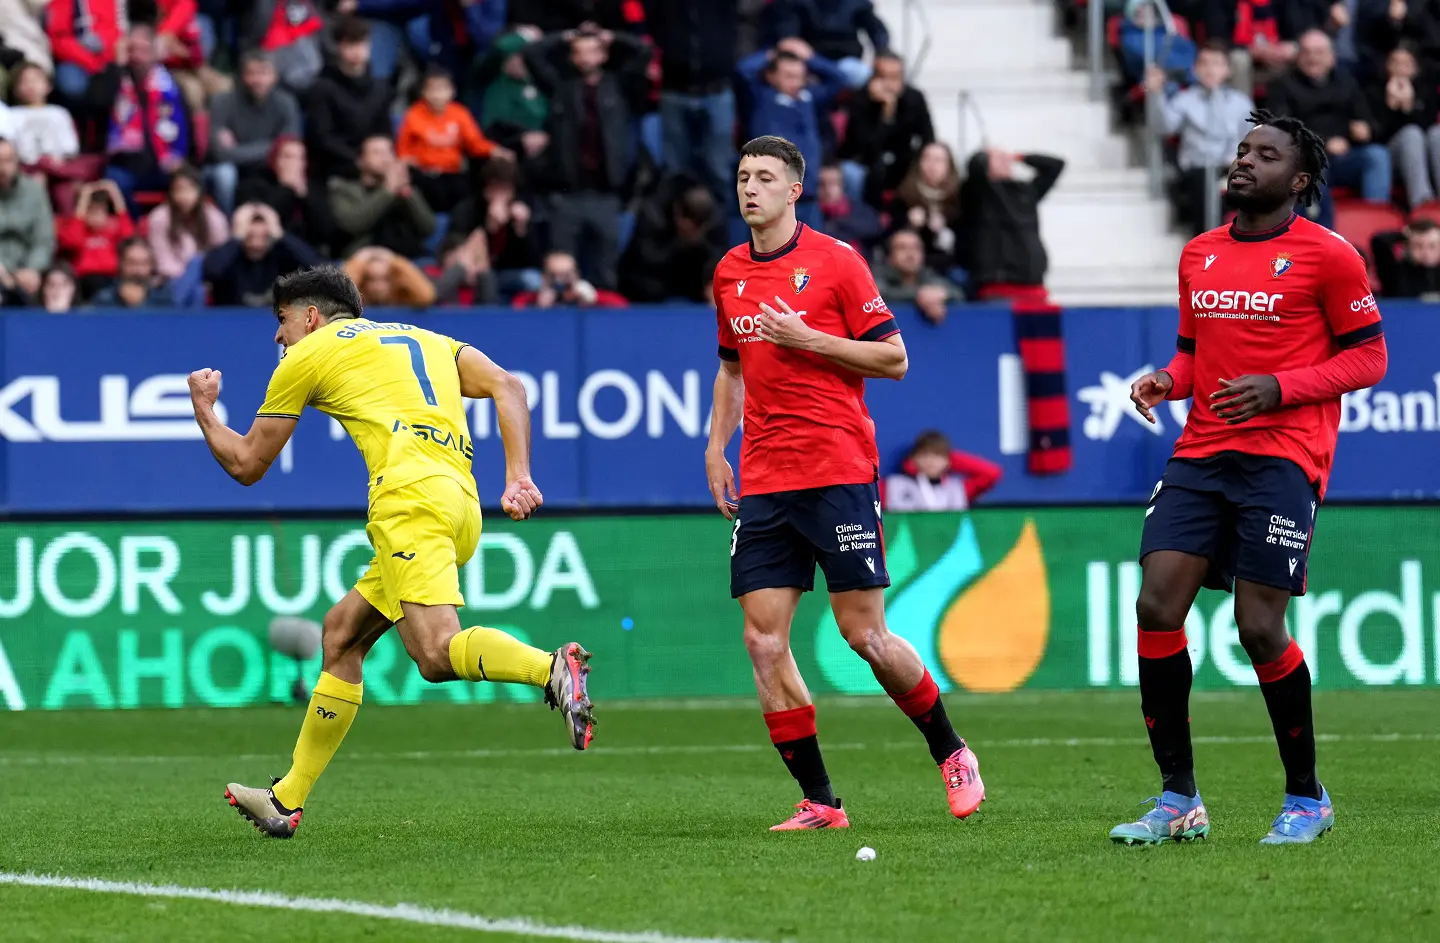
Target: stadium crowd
(1361, 73)
(581, 152)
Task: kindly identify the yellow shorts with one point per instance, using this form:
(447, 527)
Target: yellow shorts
(422, 533)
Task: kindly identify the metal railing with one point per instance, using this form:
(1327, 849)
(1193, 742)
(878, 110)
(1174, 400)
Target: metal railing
(968, 106)
(913, 12)
(1154, 133)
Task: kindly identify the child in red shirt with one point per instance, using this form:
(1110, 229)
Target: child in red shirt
(91, 238)
(438, 133)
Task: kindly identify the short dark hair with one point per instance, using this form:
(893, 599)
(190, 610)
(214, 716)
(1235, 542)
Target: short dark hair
(256, 54)
(892, 55)
(127, 244)
(1419, 227)
(903, 231)
(324, 287)
(351, 29)
(436, 71)
(1309, 150)
(931, 440)
(696, 204)
(1217, 46)
(783, 55)
(770, 145)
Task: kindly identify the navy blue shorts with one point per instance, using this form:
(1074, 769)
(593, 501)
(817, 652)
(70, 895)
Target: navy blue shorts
(778, 539)
(1251, 516)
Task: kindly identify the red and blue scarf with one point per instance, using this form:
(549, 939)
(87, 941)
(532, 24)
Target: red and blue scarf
(164, 110)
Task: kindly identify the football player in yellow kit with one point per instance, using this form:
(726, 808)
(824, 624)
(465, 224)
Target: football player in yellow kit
(398, 390)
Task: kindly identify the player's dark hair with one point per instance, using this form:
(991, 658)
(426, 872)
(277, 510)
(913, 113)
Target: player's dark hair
(1308, 147)
(326, 288)
(771, 145)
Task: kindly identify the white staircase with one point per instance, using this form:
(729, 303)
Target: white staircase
(1109, 242)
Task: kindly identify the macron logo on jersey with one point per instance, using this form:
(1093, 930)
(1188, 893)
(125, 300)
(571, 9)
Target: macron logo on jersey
(740, 289)
(1209, 261)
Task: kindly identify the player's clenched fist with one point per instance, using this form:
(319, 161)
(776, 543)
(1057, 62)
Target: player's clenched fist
(521, 498)
(1149, 391)
(204, 387)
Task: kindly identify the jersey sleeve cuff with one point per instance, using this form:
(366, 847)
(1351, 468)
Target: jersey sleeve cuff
(729, 353)
(275, 415)
(1361, 335)
(1186, 345)
(457, 351)
(886, 328)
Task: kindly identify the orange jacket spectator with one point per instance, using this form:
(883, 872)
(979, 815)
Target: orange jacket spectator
(438, 142)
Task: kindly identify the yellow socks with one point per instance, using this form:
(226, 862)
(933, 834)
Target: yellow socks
(332, 709)
(482, 654)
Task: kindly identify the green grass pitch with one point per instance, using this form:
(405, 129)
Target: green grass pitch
(663, 827)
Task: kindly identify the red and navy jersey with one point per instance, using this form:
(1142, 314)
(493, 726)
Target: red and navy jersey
(806, 425)
(1264, 303)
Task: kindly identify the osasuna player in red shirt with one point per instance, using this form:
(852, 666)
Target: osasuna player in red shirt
(801, 327)
(1276, 322)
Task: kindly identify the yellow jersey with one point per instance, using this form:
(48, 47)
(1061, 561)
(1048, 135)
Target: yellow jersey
(394, 387)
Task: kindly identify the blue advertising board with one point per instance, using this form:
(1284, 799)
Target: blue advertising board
(95, 416)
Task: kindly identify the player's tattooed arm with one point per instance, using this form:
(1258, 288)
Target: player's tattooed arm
(482, 378)
(724, 420)
(246, 457)
(883, 359)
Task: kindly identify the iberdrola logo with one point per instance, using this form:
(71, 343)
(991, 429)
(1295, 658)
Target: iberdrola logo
(975, 629)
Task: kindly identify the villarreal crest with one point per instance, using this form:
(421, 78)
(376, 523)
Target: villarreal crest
(799, 280)
(1280, 265)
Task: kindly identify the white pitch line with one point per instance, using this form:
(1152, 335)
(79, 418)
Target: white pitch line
(404, 913)
(683, 749)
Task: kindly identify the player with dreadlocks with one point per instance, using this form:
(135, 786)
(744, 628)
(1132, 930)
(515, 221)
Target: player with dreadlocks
(1276, 322)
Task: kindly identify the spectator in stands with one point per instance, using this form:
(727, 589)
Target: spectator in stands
(84, 39)
(346, 104)
(290, 30)
(27, 225)
(11, 294)
(697, 99)
(885, 130)
(303, 207)
(58, 291)
(1415, 21)
(781, 99)
(185, 225)
(1211, 119)
(504, 219)
(1178, 51)
(381, 208)
(436, 137)
(138, 285)
(832, 28)
(928, 202)
(177, 42)
(561, 285)
(41, 132)
(1331, 103)
(903, 276)
(245, 122)
(850, 220)
(241, 271)
(385, 279)
(464, 275)
(150, 133)
(679, 235)
(46, 138)
(1408, 263)
(938, 477)
(1262, 34)
(90, 240)
(1405, 107)
(592, 100)
(512, 109)
(24, 32)
(1000, 215)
